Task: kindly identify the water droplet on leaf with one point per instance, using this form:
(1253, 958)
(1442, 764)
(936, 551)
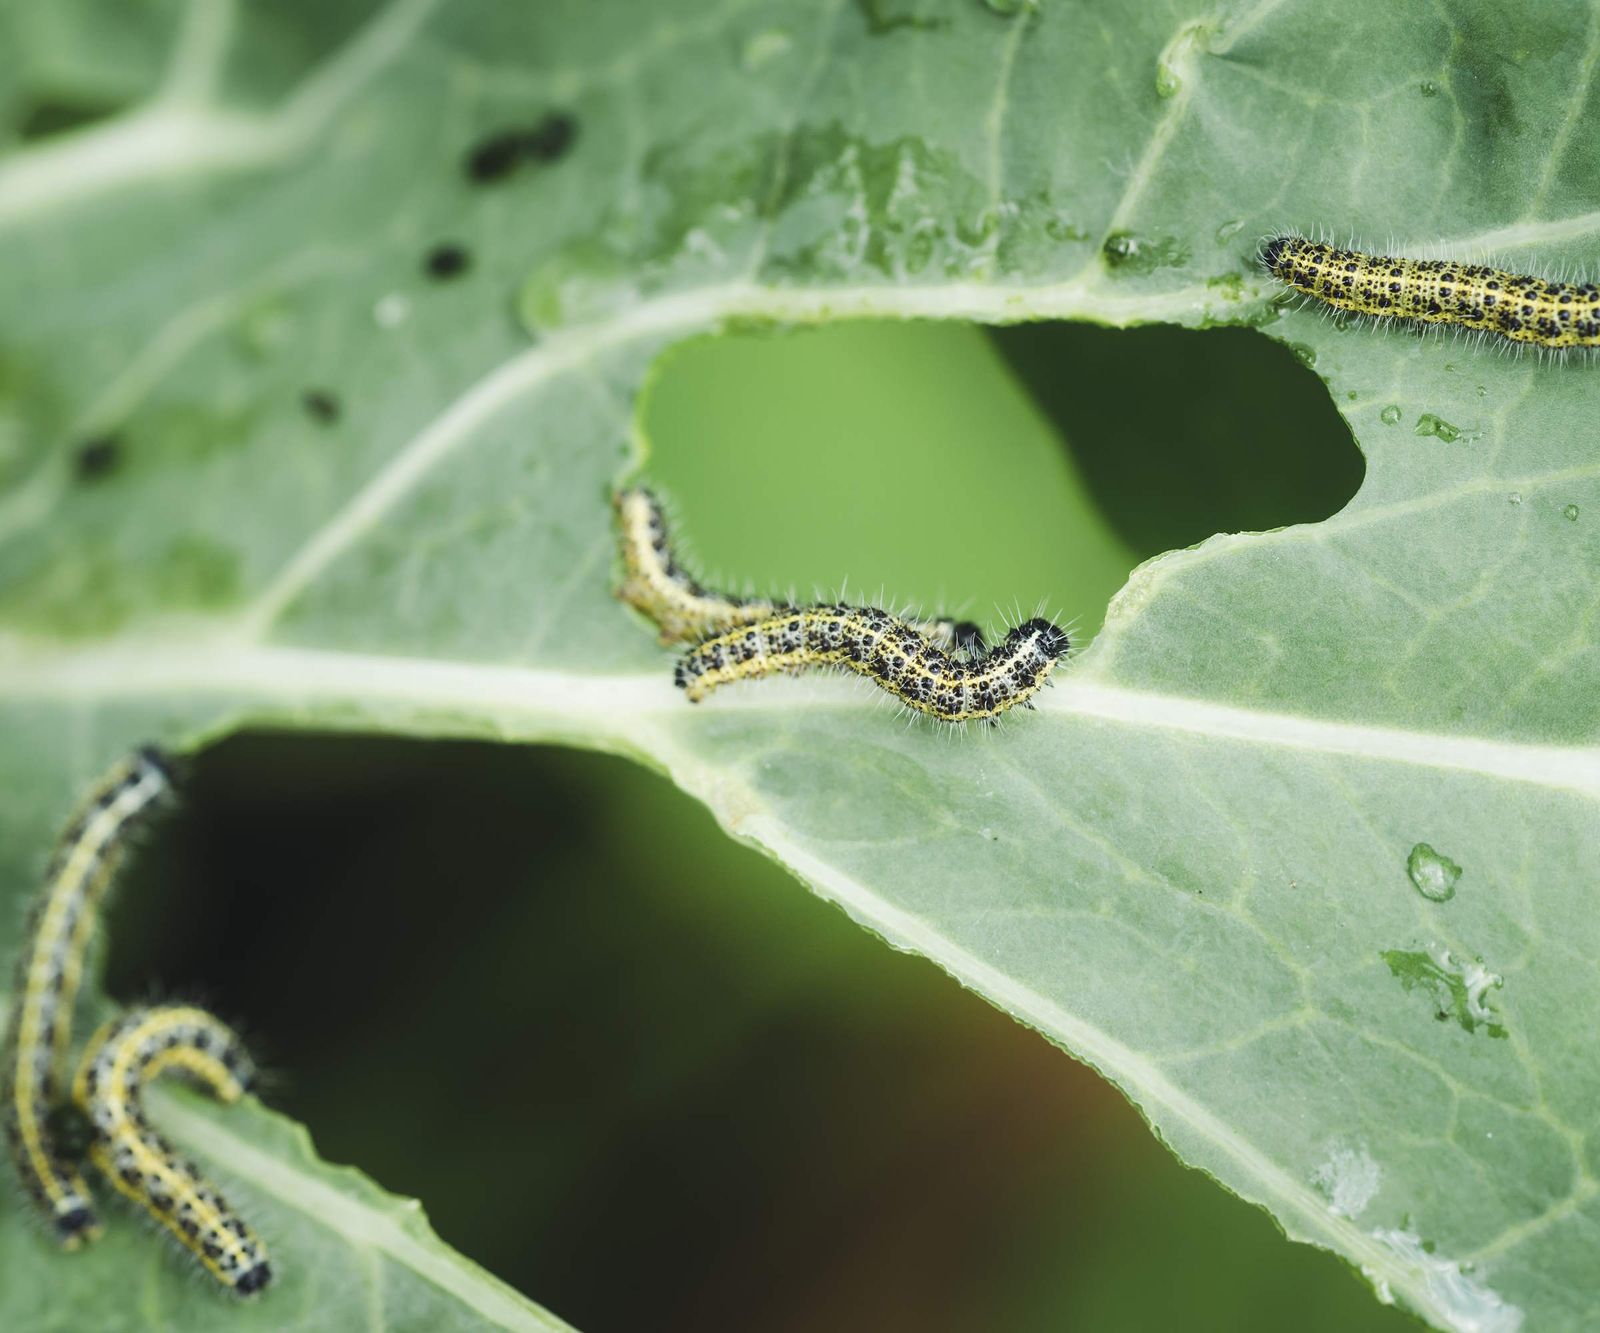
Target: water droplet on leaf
(1129, 252)
(1434, 874)
(1120, 247)
(1570, 513)
(1390, 416)
(1428, 424)
(391, 311)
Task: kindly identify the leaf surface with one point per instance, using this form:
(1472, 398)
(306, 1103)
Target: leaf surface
(1191, 867)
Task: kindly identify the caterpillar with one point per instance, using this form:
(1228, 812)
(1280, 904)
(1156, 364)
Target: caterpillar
(1439, 291)
(122, 1057)
(685, 611)
(48, 973)
(876, 644)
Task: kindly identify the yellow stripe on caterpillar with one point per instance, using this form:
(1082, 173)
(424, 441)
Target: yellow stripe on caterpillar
(1516, 306)
(875, 644)
(124, 1056)
(685, 611)
(49, 970)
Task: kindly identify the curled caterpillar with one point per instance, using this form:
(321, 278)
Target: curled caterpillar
(48, 973)
(874, 643)
(1439, 291)
(124, 1056)
(685, 611)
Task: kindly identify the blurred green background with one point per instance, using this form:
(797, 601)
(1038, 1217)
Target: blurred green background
(636, 1069)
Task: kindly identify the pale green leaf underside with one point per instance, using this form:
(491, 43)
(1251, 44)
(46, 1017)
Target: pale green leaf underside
(1190, 868)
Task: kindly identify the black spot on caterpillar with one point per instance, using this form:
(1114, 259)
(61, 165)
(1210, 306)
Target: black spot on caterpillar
(1523, 309)
(497, 156)
(124, 1056)
(685, 611)
(892, 653)
(49, 970)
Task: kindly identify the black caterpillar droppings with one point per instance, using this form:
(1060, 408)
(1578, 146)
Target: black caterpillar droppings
(98, 457)
(447, 260)
(495, 157)
(321, 406)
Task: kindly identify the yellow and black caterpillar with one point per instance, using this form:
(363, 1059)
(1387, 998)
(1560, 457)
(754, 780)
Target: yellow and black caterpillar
(124, 1057)
(42, 1129)
(48, 973)
(1516, 306)
(891, 652)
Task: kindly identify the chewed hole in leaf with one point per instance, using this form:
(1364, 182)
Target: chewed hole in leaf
(1180, 433)
(871, 455)
(540, 989)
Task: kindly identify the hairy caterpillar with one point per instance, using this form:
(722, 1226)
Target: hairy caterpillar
(49, 970)
(874, 643)
(1439, 291)
(122, 1057)
(687, 612)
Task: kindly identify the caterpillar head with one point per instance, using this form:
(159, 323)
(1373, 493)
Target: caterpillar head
(1051, 639)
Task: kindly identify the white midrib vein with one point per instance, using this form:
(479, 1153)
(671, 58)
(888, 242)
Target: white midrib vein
(531, 702)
